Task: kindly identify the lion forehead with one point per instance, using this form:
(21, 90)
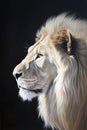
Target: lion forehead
(40, 46)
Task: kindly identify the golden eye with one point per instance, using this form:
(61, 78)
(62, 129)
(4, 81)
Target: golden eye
(37, 56)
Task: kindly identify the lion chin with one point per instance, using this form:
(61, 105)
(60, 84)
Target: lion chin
(55, 71)
(26, 95)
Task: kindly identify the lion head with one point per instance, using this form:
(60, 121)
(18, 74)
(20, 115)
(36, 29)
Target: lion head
(55, 71)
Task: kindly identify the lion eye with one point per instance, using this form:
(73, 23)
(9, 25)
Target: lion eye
(37, 56)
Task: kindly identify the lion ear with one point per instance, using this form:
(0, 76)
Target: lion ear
(63, 38)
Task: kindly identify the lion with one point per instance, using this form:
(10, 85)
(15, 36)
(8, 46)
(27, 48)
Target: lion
(55, 71)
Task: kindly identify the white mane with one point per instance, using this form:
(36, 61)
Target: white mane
(64, 106)
(76, 26)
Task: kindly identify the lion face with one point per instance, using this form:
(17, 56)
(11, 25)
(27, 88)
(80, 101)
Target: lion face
(39, 68)
(36, 71)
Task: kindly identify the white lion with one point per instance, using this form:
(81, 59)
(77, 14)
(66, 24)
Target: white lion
(55, 71)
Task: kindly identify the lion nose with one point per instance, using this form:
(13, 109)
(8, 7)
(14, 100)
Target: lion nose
(17, 75)
(18, 71)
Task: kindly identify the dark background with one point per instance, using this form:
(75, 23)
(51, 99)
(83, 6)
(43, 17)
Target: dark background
(20, 21)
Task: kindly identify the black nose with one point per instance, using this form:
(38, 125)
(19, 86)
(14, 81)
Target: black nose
(17, 75)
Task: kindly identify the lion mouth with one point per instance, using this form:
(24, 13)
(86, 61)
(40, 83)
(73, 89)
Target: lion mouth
(26, 83)
(31, 90)
(28, 86)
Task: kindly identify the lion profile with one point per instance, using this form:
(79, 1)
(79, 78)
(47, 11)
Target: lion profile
(55, 71)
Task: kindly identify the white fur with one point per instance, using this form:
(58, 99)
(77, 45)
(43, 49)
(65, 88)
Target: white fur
(25, 95)
(62, 77)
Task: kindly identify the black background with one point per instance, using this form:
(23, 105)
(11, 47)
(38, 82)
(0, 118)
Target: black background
(20, 21)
